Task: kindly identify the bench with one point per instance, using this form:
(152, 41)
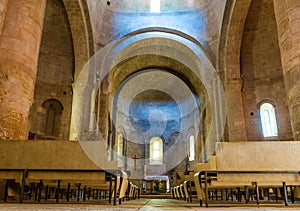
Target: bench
(61, 164)
(251, 165)
(189, 187)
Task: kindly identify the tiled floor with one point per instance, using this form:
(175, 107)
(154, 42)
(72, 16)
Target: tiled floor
(141, 205)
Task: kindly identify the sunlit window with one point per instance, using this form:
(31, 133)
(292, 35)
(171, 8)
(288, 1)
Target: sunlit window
(156, 151)
(155, 6)
(268, 120)
(120, 144)
(191, 148)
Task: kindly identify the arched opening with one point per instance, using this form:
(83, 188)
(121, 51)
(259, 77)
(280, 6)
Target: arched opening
(156, 151)
(191, 147)
(139, 81)
(53, 117)
(268, 120)
(120, 150)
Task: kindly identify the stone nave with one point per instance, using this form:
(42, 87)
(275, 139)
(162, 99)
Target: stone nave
(105, 101)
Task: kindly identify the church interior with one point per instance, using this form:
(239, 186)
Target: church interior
(111, 100)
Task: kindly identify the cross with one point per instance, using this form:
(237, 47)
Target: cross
(135, 158)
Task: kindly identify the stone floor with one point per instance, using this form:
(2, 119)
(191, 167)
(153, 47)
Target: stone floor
(143, 204)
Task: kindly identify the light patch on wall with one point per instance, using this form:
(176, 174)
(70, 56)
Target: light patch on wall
(156, 151)
(155, 6)
(268, 120)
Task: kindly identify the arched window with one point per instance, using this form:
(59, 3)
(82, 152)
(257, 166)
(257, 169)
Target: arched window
(156, 151)
(53, 113)
(155, 6)
(268, 120)
(191, 146)
(120, 145)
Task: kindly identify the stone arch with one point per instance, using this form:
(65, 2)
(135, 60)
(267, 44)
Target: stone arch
(190, 131)
(165, 44)
(231, 38)
(267, 100)
(235, 15)
(79, 19)
(120, 73)
(80, 24)
(206, 49)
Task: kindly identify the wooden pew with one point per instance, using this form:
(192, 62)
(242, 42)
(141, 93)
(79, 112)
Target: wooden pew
(254, 165)
(189, 187)
(182, 193)
(60, 163)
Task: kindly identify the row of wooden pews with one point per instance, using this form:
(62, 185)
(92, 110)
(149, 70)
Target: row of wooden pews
(53, 170)
(185, 191)
(250, 171)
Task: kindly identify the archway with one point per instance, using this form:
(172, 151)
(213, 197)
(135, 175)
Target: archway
(53, 117)
(175, 48)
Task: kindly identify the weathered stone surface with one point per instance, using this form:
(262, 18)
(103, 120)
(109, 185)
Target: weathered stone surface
(19, 49)
(261, 70)
(3, 7)
(288, 23)
(55, 74)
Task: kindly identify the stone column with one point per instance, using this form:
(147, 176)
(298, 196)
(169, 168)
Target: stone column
(3, 7)
(19, 50)
(235, 111)
(288, 23)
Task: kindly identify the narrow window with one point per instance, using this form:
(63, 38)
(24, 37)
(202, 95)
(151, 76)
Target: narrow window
(156, 151)
(268, 120)
(155, 6)
(192, 148)
(120, 144)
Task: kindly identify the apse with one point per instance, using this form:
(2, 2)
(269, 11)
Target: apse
(157, 108)
(157, 111)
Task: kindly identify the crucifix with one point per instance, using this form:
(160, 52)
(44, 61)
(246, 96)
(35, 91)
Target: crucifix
(135, 157)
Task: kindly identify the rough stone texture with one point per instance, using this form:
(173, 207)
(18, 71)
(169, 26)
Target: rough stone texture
(261, 71)
(234, 32)
(3, 7)
(235, 112)
(19, 49)
(80, 24)
(55, 70)
(82, 47)
(288, 23)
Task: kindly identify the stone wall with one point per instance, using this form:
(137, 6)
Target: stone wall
(261, 70)
(55, 70)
